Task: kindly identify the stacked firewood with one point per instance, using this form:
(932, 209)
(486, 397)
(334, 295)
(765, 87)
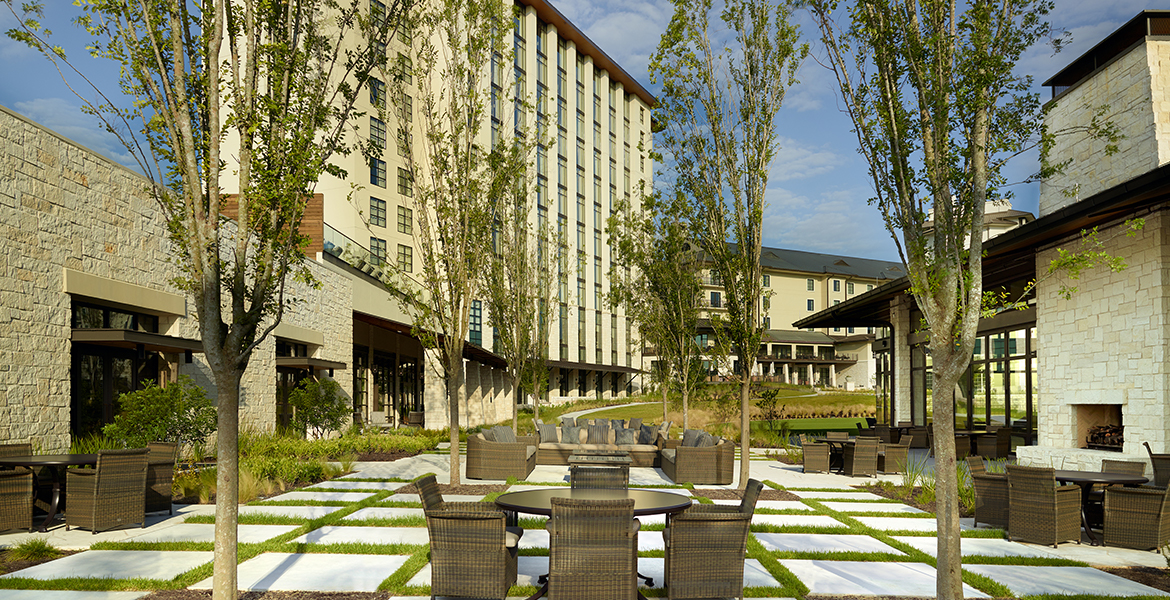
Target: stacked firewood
(1106, 435)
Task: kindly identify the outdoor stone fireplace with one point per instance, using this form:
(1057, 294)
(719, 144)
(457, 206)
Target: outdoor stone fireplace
(1099, 426)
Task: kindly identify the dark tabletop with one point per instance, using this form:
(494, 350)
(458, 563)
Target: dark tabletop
(1087, 477)
(646, 502)
(49, 460)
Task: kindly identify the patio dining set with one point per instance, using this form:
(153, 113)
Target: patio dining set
(120, 488)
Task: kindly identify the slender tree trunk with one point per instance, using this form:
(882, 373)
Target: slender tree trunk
(950, 572)
(516, 406)
(664, 403)
(745, 434)
(454, 382)
(686, 408)
(227, 471)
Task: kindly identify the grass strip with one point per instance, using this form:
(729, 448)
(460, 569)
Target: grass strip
(396, 582)
(352, 548)
(156, 546)
(91, 584)
(790, 586)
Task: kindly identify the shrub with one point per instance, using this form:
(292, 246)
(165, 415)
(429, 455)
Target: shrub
(320, 407)
(37, 548)
(180, 413)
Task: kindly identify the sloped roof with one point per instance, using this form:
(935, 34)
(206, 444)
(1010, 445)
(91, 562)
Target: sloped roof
(832, 264)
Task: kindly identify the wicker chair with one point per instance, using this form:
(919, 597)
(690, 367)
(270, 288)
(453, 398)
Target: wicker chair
(996, 446)
(892, 458)
(589, 477)
(991, 494)
(473, 555)
(919, 437)
(836, 435)
(705, 547)
(708, 465)
(428, 491)
(160, 476)
(16, 499)
(861, 458)
(111, 495)
(885, 434)
(1094, 503)
(593, 549)
(490, 459)
(1041, 511)
(1137, 518)
(1161, 464)
(816, 456)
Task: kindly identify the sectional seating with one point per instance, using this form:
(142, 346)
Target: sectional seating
(555, 447)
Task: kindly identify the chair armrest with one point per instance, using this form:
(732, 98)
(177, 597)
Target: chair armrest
(711, 509)
(74, 473)
(471, 506)
(706, 516)
(528, 440)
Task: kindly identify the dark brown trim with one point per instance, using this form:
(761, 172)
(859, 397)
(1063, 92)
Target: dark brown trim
(125, 338)
(308, 362)
(580, 366)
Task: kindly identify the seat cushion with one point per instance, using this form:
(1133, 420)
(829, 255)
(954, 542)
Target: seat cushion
(512, 536)
(531, 451)
(668, 454)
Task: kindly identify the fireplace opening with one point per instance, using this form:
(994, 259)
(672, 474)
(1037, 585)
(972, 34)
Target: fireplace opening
(1099, 427)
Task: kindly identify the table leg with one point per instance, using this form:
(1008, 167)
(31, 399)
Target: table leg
(1085, 489)
(55, 501)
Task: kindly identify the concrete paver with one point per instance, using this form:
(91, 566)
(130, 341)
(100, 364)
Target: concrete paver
(529, 568)
(902, 523)
(835, 495)
(278, 571)
(383, 512)
(977, 547)
(770, 504)
(1029, 580)
(70, 595)
(321, 497)
(205, 532)
(796, 520)
(869, 578)
(821, 542)
(337, 484)
(883, 507)
(307, 513)
(116, 564)
(340, 534)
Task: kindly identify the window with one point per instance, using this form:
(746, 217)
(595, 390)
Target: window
(406, 106)
(716, 301)
(377, 212)
(811, 303)
(475, 323)
(405, 258)
(377, 172)
(378, 13)
(378, 250)
(836, 302)
(378, 132)
(767, 322)
(405, 68)
(869, 287)
(405, 182)
(405, 220)
(849, 288)
(810, 284)
(767, 303)
(377, 92)
(767, 281)
(836, 285)
(403, 141)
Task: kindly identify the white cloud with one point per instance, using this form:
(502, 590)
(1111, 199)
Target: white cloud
(796, 161)
(836, 222)
(66, 118)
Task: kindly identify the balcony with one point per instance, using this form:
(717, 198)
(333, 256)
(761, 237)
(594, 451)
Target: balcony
(341, 246)
(802, 357)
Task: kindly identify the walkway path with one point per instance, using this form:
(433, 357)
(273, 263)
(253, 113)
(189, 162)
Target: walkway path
(356, 533)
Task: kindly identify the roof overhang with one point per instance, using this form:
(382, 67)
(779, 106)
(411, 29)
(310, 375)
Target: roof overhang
(308, 362)
(125, 338)
(580, 366)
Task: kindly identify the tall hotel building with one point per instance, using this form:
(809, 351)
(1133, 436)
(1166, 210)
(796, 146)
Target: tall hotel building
(90, 311)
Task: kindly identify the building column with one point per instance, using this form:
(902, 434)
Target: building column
(899, 343)
(833, 375)
(434, 393)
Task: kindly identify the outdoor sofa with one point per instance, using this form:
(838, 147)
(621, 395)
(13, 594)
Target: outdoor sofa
(555, 449)
(699, 457)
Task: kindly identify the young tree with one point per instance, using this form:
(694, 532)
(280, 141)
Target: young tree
(937, 111)
(456, 171)
(655, 276)
(276, 77)
(718, 107)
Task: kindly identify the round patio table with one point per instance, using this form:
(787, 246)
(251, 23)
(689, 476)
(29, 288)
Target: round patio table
(1086, 479)
(539, 502)
(52, 462)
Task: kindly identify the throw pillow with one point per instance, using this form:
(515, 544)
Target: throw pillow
(598, 434)
(648, 434)
(635, 424)
(627, 437)
(504, 434)
(618, 423)
(569, 434)
(601, 422)
(488, 435)
(690, 438)
(568, 421)
(706, 440)
(548, 433)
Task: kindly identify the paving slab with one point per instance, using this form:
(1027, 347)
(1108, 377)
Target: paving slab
(70, 595)
(321, 497)
(335, 484)
(205, 532)
(886, 579)
(117, 564)
(902, 523)
(538, 538)
(406, 498)
(279, 571)
(307, 513)
(770, 504)
(977, 547)
(82, 539)
(885, 507)
(527, 487)
(820, 542)
(340, 534)
(796, 520)
(1029, 580)
(836, 495)
(679, 491)
(383, 512)
(529, 568)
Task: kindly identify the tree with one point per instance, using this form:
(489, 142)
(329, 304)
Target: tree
(718, 108)
(181, 413)
(937, 111)
(319, 407)
(454, 178)
(277, 78)
(655, 276)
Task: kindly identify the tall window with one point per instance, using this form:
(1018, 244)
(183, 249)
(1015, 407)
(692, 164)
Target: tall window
(404, 68)
(849, 287)
(716, 300)
(836, 285)
(377, 92)
(405, 258)
(475, 323)
(378, 250)
(378, 172)
(810, 284)
(811, 304)
(405, 183)
(378, 131)
(403, 141)
(405, 220)
(767, 281)
(377, 212)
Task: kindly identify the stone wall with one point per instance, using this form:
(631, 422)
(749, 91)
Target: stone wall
(1135, 89)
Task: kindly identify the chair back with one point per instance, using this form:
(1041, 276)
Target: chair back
(15, 450)
(469, 553)
(750, 495)
(161, 453)
(587, 477)
(593, 546)
(905, 424)
(1127, 467)
(1161, 463)
(975, 465)
(428, 491)
(884, 434)
(1034, 483)
(837, 435)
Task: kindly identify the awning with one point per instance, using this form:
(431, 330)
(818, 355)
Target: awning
(308, 362)
(125, 338)
(580, 366)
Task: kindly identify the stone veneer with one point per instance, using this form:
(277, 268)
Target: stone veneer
(1136, 89)
(66, 207)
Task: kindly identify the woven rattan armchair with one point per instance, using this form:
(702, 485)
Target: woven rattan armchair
(991, 494)
(996, 446)
(1094, 503)
(16, 499)
(590, 477)
(1161, 463)
(111, 495)
(919, 437)
(892, 458)
(473, 555)
(861, 458)
(1137, 518)
(592, 550)
(489, 459)
(428, 491)
(160, 476)
(14, 450)
(708, 465)
(1041, 511)
(884, 433)
(705, 547)
(836, 435)
(816, 456)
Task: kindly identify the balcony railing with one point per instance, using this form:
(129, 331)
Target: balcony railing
(341, 246)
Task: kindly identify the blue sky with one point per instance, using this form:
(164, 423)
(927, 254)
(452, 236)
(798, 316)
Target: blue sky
(818, 191)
